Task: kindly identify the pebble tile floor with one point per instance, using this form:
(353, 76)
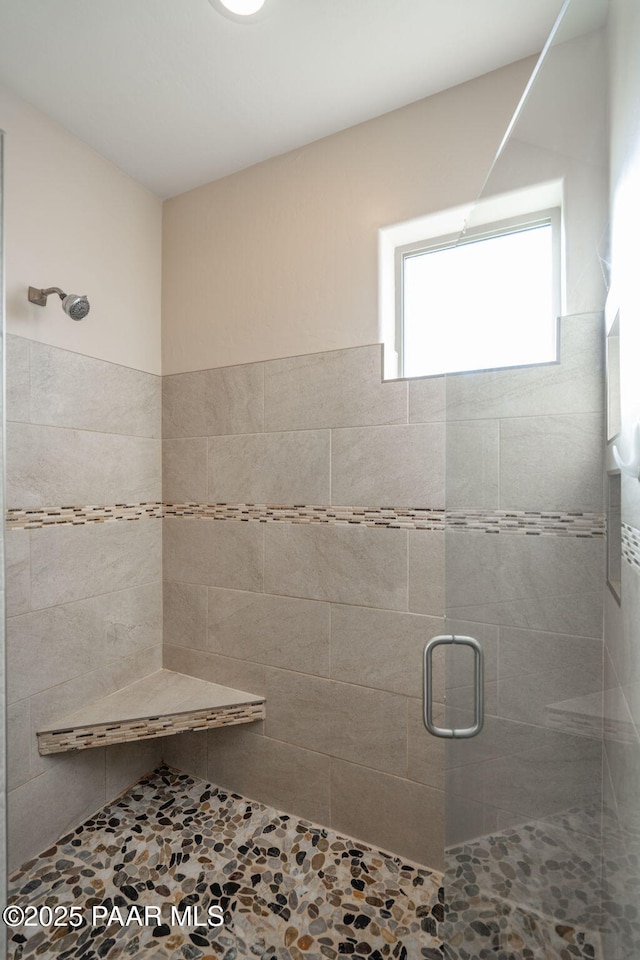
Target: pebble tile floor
(288, 889)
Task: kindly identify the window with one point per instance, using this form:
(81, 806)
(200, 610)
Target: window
(473, 273)
(489, 300)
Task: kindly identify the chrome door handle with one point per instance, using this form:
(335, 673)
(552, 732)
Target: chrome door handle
(478, 687)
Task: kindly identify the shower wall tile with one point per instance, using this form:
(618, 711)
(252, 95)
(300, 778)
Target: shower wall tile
(18, 743)
(566, 772)
(343, 564)
(17, 546)
(212, 402)
(277, 631)
(342, 720)
(53, 645)
(73, 390)
(185, 614)
(349, 383)
(426, 572)
(53, 466)
(74, 788)
(239, 674)
(382, 649)
(184, 470)
(127, 762)
(187, 752)
(459, 661)
(300, 709)
(285, 776)
(218, 553)
(528, 697)
(425, 754)
(574, 385)
(369, 727)
(401, 466)
(473, 464)
(283, 468)
(552, 463)
(427, 400)
(552, 584)
(71, 563)
(54, 703)
(396, 811)
(17, 379)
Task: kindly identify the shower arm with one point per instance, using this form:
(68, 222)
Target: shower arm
(40, 296)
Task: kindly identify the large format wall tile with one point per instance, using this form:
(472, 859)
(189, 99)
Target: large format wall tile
(382, 649)
(341, 388)
(185, 614)
(56, 801)
(71, 563)
(285, 776)
(17, 380)
(546, 583)
(343, 720)
(426, 572)
(212, 402)
(427, 399)
(283, 468)
(537, 669)
(218, 553)
(17, 545)
(53, 466)
(425, 754)
(398, 815)
(239, 674)
(73, 390)
(400, 466)
(184, 470)
(574, 385)
(345, 564)
(552, 463)
(278, 631)
(473, 464)
(53, 645)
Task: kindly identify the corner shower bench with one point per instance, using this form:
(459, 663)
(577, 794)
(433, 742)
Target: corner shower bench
(161, 704)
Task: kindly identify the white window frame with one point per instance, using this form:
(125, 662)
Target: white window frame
(493, 216)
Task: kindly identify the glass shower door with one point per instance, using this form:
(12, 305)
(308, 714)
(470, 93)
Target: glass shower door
(525, 562)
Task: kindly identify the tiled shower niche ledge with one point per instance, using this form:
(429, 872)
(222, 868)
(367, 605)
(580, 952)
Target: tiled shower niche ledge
(159, 705)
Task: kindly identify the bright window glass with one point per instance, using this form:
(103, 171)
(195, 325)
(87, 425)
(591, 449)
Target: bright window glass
(480, 304)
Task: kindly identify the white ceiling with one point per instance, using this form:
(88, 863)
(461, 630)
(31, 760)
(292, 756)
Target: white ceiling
(177, 95)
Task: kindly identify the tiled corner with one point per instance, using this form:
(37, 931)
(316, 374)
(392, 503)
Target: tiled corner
(207, 403)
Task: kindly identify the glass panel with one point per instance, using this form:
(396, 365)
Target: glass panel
(3, 745)
(525, 558)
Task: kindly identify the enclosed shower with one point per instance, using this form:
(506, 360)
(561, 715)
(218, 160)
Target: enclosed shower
(305, 658)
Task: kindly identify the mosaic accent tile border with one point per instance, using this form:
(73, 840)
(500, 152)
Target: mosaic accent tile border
(287, 889)
(77, 516)
(551, 523)
(532, 523)
(101, 735)
(631, 545)
(394, 517)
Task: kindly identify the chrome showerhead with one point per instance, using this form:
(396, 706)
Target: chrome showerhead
(75, 306)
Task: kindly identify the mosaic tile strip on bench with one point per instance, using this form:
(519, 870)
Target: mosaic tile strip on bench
(100, 735)
(534, 523)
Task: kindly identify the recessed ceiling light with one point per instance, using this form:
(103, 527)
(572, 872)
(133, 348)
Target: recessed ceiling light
(239, 8)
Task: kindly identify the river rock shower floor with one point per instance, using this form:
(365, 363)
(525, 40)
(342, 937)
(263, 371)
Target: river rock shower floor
(289, 889)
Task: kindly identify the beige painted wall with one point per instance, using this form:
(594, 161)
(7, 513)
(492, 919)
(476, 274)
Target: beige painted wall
(75, 221)
(281, 259)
